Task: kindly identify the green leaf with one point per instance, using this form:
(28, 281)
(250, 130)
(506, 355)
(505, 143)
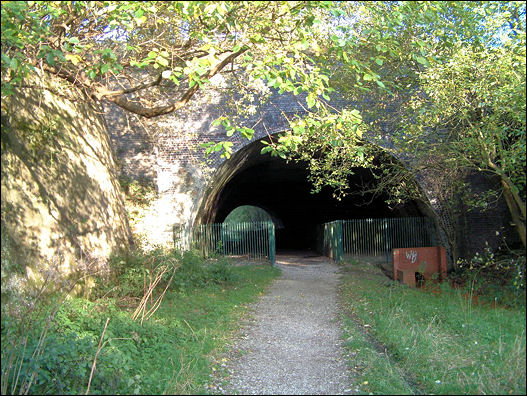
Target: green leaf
(50, 58)
(422, 60)
(162, 61)
(105, 68)
(299, 130)
(247, 133)
(216, 122)
(230, 131)
(13, 64)
(310, 100)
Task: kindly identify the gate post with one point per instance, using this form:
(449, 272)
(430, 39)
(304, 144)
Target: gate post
(272, 243)
(386, 240)
(339, 242)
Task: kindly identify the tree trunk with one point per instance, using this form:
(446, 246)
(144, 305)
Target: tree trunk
(516, 208)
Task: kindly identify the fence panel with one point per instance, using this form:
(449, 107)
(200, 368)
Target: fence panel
(256, 240)
(374, 237)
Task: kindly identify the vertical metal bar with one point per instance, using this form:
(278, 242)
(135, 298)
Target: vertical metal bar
(264, 239)
(250, 230)
(271, 244)
(386, 248)
(355, 236)
(400, 232)
(343, 222)
(371, 240)
(378, 237)
(361, 236)
(252, 234)
(260, 238)
(413, 225)
(366, 239)
(370, 236)
(244, 238)
(370, 226)
(375, 236)
(340, 241)
(345, 237)
(267, 239)
(223, 232)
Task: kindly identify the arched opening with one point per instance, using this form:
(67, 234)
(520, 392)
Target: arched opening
(283, 190)
(251, 213)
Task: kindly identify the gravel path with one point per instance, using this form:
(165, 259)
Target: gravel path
(293, 343)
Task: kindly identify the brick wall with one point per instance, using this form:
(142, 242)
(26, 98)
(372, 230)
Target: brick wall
(166, 150)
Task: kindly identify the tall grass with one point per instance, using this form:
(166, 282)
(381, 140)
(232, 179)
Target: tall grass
(99, 346)
(425, 342)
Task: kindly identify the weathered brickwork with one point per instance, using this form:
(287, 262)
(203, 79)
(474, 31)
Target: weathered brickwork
(167, 150)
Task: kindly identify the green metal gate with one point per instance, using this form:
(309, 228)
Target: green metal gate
(256, 240)
(374, 237)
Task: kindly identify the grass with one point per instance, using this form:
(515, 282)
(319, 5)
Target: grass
(404, 340)
(172, 352)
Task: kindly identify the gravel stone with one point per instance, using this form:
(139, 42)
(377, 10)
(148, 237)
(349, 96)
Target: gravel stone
(293, 345)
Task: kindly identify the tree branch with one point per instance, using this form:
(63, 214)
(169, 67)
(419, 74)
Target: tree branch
(150, 112)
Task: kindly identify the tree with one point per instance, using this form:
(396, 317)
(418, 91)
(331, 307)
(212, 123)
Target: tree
(447, 81)
(180, 45)
(475, 102)
(138, 54)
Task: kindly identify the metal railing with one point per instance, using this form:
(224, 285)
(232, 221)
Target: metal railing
(374, 237)
(256, 240)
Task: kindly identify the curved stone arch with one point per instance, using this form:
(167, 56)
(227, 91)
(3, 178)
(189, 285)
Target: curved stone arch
(209, 209)
(245, 156)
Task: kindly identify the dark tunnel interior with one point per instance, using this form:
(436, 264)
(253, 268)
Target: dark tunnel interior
(284, 191)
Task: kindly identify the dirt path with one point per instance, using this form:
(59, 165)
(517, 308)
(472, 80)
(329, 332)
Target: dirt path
(293, 343)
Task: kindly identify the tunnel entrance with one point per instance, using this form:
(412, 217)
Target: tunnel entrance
(283, 190)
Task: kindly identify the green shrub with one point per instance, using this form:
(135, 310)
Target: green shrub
(195, 273)
(494, 277)
(221, 272)
(130, 272)
(51, 347)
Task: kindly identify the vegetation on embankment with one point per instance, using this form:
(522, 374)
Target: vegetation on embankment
(404, 340)
(51, 344)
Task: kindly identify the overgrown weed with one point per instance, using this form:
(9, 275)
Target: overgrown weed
(442, 342)
(191, 309)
